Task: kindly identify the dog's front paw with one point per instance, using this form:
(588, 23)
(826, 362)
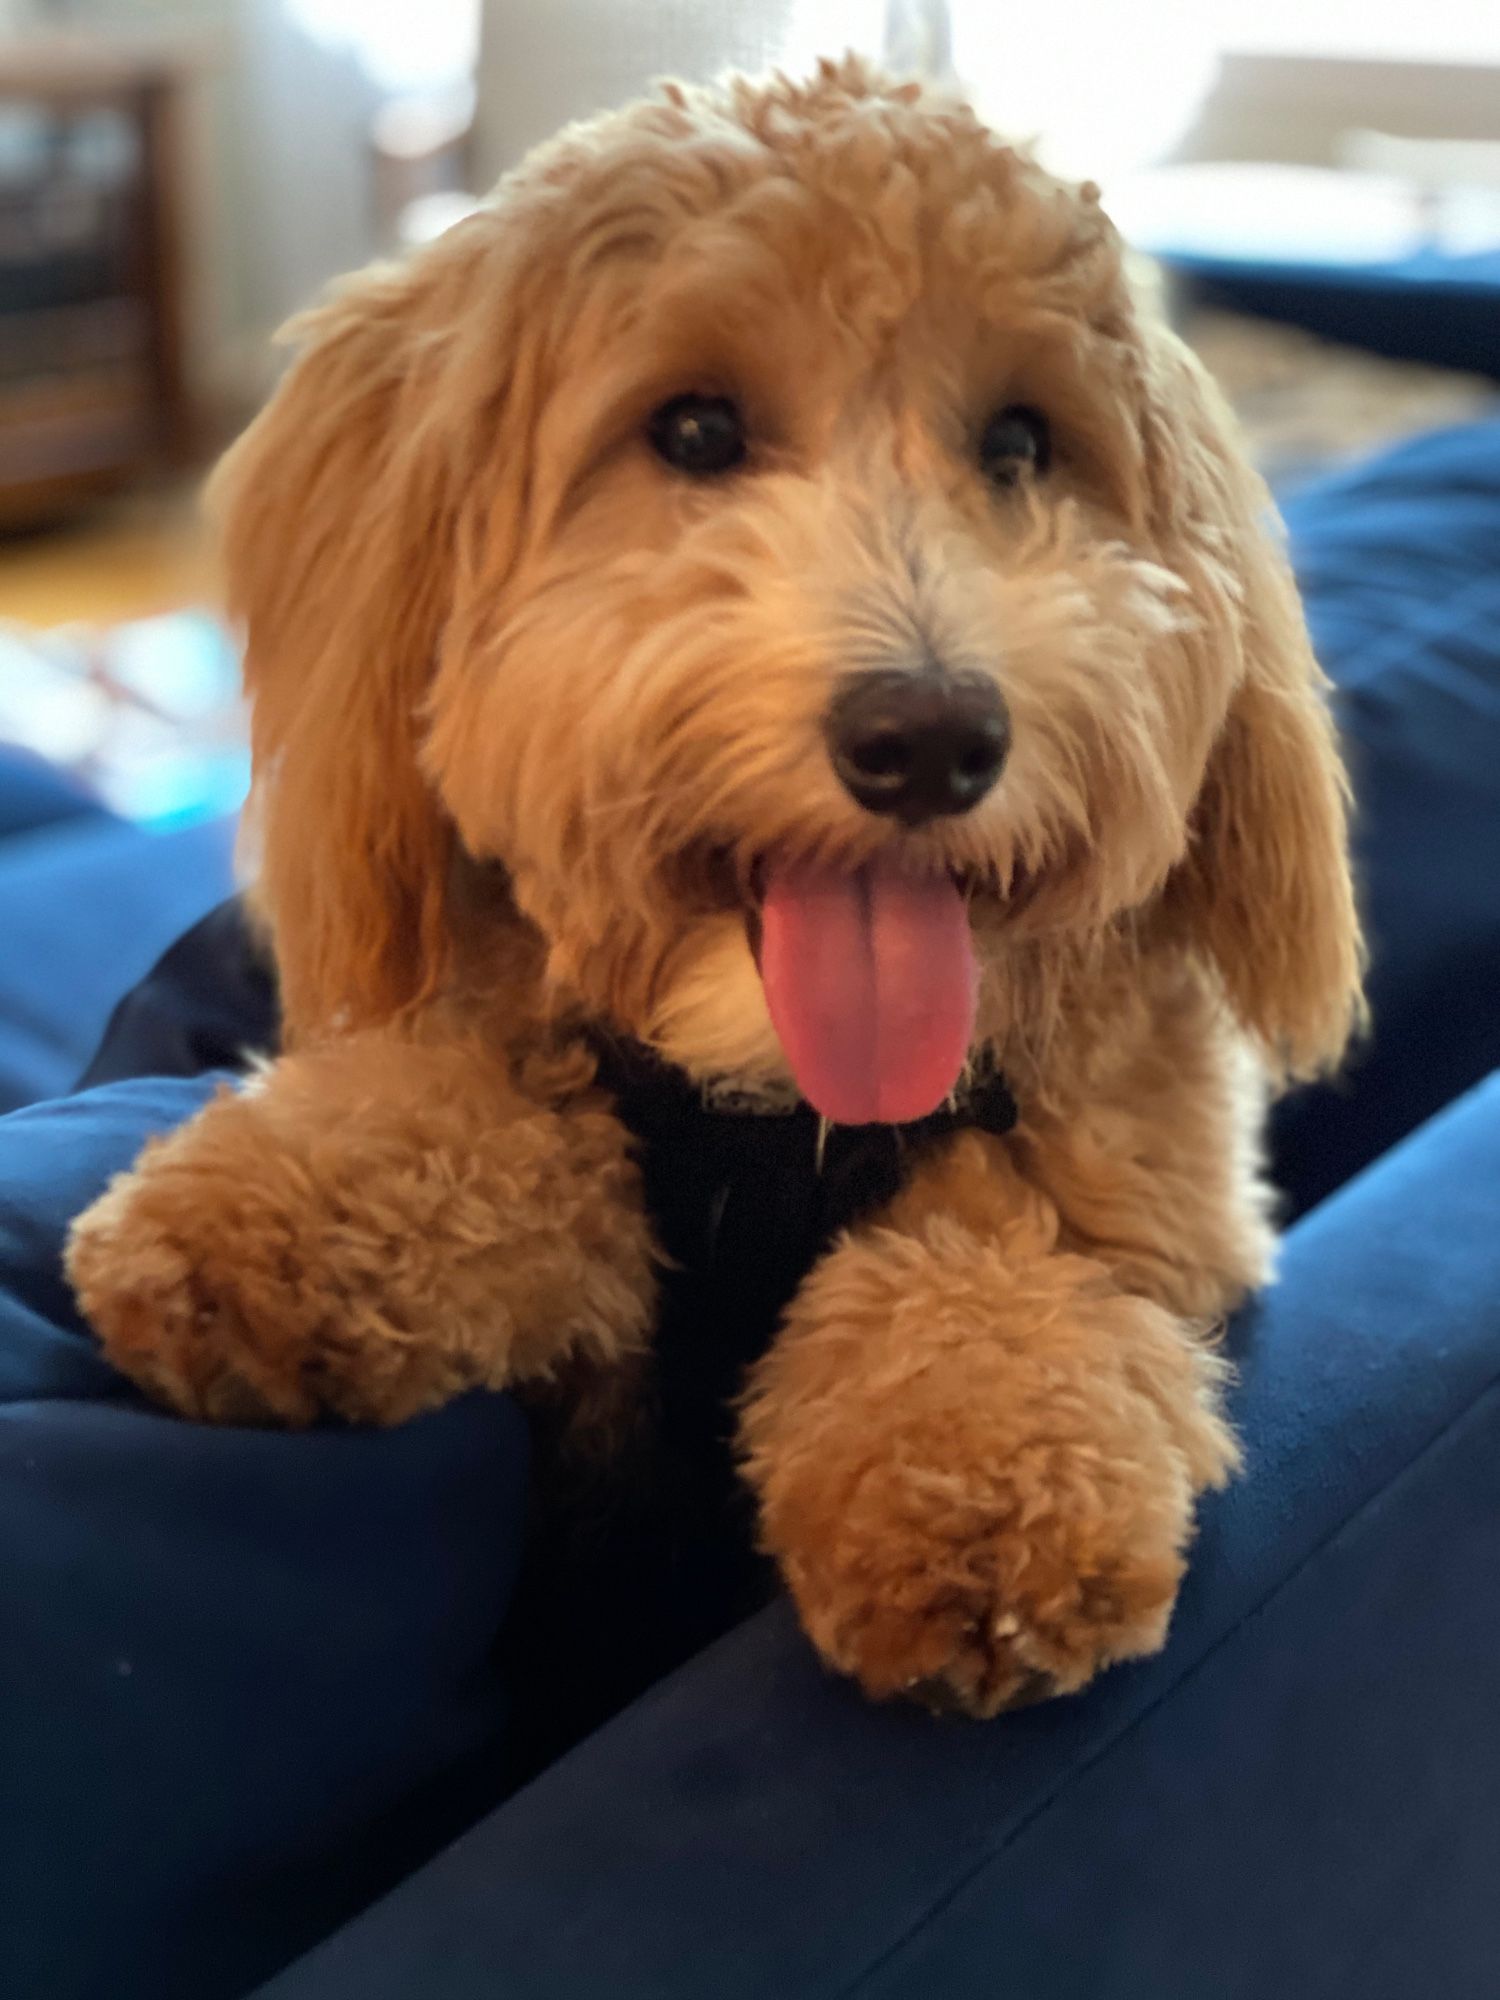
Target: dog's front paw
(979, 1499)
(983, 1590)
(370, 1232)
(228, 1292)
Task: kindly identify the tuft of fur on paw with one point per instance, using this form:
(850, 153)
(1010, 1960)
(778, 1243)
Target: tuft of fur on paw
(251, 1272)
(224, 1311)
(978, 1477)
(159, 1315)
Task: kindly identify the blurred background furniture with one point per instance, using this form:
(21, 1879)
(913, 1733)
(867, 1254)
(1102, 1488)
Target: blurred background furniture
(92, 381)
(1355, 197)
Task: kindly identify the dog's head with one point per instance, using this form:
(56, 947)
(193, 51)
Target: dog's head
(771, 536)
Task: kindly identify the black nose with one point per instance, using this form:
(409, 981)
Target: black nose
(918, 745)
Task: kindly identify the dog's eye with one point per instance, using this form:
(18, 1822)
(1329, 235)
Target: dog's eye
(702, 435)
(1016, 441)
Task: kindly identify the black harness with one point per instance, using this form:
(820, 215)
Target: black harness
(744, 1201)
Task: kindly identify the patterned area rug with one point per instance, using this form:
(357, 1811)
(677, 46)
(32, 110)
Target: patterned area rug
(147, 713)
(1307, 404)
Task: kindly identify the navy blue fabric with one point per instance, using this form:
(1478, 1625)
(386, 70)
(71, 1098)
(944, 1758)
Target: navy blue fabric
(86, 908)
(210, 999)
(1297, 1798)
(246, 1679)
(1399, 563)
(34, 793)
(1428, 307)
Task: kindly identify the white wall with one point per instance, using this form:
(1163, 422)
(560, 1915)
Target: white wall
(541, 66)
(1296, 108)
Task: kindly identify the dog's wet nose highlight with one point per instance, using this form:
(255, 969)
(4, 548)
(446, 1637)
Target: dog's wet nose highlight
(918, 746)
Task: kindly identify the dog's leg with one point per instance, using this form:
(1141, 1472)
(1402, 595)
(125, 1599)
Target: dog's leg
(368, 1229)
(976, 1452)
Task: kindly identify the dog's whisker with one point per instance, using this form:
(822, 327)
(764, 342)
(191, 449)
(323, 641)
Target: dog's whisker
(633, 802)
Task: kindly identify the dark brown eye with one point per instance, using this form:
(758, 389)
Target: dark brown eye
(700, 435)
(1016, 441)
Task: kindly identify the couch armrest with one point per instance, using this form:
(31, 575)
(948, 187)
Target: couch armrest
(247, 1678)
(1297, 1797)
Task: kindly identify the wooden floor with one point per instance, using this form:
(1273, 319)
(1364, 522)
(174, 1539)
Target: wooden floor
(127, 559)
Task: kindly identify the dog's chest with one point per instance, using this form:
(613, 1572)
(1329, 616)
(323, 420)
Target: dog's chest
(744, 1202)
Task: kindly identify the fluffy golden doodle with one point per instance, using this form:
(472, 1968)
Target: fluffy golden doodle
(762, 588)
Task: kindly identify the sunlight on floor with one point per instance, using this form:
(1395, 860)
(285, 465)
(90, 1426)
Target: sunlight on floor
(131, 558)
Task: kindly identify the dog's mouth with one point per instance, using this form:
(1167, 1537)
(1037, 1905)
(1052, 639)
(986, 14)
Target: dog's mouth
(870, 979)
(869, 971)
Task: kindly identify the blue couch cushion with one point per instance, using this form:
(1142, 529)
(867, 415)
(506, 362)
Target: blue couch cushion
(1399, 563)
(1296, 1798)
(34, 794)
(246, 1679)
(85, 910)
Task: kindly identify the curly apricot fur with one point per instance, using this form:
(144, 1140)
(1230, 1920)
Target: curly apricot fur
(526, 701)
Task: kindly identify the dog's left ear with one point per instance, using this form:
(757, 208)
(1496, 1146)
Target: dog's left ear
(341, 512)
(1265, 885)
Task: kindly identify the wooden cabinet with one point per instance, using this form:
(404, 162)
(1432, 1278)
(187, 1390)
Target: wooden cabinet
(91, 334)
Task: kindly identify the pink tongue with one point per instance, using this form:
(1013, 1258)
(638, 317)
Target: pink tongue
(870, 980)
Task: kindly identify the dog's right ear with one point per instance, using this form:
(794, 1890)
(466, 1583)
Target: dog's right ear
(339, 513)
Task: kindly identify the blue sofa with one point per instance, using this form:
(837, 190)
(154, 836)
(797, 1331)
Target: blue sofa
(253, 1701)
(1429, 306)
